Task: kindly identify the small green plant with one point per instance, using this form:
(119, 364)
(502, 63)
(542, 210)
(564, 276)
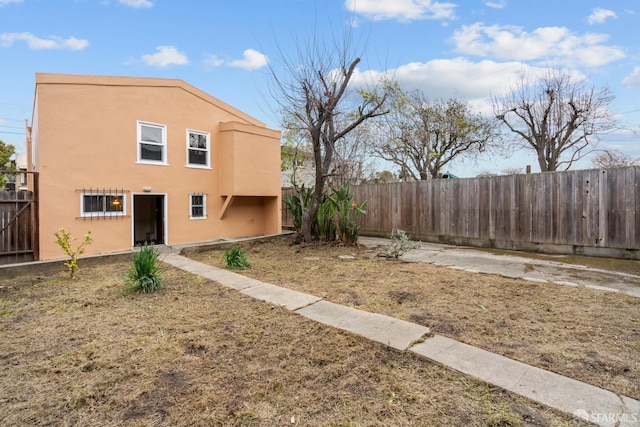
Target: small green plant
(338, 217)
(326, 219)
(347, 215)
(399, 244)
(295, 203)
(236, 259)
(144, 273)
(64, 240)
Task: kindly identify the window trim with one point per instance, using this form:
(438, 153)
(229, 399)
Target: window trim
(204, 206)
(139, 142)
(208, 149)
(103, 213)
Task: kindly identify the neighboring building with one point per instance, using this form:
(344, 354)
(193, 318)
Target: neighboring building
(300, 170)
(139, 160)
(21, 168)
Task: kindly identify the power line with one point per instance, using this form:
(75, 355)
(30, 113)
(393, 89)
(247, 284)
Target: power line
(14, 105)
(12, 133)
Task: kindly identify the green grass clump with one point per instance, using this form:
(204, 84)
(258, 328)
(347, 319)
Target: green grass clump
(144, 273)
(235, 259)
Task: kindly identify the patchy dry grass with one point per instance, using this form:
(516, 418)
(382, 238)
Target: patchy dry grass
(86, 352)
(589, 335)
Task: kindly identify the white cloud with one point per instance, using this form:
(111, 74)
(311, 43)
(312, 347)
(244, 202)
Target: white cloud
(138, 4)
(6, 2)
(251, 60)
(166, 55)
(599, 16)
(632, 79)
(36, 43)
(475, 82)
(498, 4)
(213, 61)
(555, 44)
(401, 10)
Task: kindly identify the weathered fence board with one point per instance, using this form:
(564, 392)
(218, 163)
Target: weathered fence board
(585, 211)
(16, 226)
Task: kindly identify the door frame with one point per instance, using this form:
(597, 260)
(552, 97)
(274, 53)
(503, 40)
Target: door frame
(165, 217)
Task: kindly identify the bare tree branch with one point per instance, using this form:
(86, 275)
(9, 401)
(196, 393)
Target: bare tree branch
(557, 117)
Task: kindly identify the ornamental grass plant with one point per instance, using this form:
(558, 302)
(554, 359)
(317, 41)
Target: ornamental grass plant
(144, 273)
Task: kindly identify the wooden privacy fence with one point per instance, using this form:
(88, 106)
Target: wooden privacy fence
(591, 212)
(19, 224)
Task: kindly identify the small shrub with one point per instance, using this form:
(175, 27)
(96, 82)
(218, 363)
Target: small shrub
(235, 259)
(399, 244)
(338, 217)
(295, 204)
(64, 240)
(326, 219)
(144, 273)
(347, 215)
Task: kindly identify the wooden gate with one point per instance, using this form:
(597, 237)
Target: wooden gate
(19, 218)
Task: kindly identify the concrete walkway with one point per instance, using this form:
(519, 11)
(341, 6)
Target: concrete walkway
(565, 394)
(477, 261)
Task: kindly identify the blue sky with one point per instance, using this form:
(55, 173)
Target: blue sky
(468, 49)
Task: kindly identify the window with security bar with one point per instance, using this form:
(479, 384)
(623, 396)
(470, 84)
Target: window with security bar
(102, 203)
(198, 206)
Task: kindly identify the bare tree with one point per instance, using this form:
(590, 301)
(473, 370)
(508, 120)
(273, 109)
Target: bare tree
(353, 161)
(557, 116)
(613, 159)
(314, 92)
(512, 171)
(422, 136)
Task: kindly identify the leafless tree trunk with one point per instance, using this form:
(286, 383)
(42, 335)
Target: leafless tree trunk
(314, 95)
(558, 117)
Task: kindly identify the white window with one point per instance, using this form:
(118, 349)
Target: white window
(198, 149)
(198, 206)
(152, 143)
(102, 204)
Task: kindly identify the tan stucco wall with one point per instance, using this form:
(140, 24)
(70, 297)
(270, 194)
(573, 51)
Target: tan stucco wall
(238, 144)
(87, 139)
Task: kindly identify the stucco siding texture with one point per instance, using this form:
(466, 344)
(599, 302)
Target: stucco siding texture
(87, 139)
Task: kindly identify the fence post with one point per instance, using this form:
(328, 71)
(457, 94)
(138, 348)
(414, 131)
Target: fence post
(602, 208)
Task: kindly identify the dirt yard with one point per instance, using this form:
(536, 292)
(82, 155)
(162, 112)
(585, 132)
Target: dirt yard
(592, 336)
(89, 353)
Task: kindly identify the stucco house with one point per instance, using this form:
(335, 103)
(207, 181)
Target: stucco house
(138, 160)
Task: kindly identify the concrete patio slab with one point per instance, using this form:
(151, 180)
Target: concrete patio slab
(566, 283)
(534, 279)
(516, 267)
(383, 329)
(602, 288)
(292, 300)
